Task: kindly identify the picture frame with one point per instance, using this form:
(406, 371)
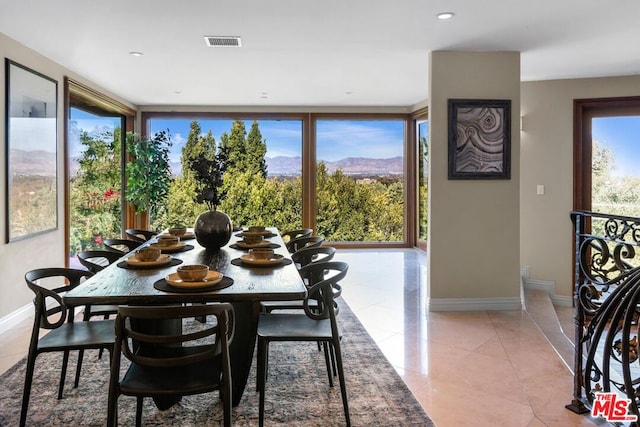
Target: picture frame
(479, 138)
(31, 108)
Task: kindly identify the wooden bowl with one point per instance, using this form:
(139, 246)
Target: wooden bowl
(168, 241)
(193, 272)
(252, 239)
(256, 229)
(147, 254)
(178, 231)
(261, 253)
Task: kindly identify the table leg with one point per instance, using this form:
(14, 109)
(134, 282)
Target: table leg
(242, 346)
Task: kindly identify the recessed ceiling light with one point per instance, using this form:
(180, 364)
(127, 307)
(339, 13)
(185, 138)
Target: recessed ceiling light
(445, 15)
(136, 53)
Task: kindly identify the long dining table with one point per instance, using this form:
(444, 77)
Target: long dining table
(120, 284)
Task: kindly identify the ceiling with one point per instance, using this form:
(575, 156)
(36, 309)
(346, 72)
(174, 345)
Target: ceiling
(315, 53)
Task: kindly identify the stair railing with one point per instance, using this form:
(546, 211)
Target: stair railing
(607, 301)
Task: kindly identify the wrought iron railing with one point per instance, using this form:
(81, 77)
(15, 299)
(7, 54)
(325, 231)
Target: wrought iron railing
(606, 298)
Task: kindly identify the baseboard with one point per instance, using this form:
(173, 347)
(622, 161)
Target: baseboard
(548, 286)
(475, 304)
(13, 319)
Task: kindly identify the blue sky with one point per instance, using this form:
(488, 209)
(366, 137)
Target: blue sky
(622, 135)
(336, 139)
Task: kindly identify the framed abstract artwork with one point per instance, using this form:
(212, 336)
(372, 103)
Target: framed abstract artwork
(479, 139)
(31, 152)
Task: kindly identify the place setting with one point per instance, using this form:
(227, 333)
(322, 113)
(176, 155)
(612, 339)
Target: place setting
(251, 241)
(261, 257)
(149, 257)
(193, 278)
(170, 244)
(182, 233)
(256, 230)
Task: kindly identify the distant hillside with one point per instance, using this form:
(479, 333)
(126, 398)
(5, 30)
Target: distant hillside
(35, 162)
(288, 166)
(282, 165)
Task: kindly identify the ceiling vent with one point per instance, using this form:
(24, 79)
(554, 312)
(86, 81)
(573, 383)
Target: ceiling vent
(223, 41)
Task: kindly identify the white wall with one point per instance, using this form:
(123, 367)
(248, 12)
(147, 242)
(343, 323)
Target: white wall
(474, 225)
(547, 159)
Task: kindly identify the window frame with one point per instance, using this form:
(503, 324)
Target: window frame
(309, 121)
(91, 100)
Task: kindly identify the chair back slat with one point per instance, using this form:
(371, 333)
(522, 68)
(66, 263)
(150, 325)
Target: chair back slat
(152, 349)
(304, 242)
(322, 291)
(50, 310)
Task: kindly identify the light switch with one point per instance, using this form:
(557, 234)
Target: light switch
(540, 190)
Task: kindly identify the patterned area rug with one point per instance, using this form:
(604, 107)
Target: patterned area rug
(297, 393)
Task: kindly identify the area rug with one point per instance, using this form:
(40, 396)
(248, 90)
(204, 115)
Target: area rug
(297, 392)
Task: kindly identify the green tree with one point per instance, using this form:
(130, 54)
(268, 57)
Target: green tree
(95, 207)
(148, 172)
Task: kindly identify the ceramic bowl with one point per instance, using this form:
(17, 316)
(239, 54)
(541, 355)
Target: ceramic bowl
(252, 239)
(261, 253)
(147, 254)
(167, 241)
(178, 231)
(193, 272)
(256, 229)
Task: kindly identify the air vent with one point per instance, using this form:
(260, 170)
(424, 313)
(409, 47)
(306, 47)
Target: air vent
(223, 41)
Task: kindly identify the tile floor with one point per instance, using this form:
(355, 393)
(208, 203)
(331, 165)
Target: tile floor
(466, 368)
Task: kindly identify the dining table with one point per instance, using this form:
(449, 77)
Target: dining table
(245, 284)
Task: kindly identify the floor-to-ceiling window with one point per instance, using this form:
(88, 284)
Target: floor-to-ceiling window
(342, 175)
(94, 148)
(273, 146)
(360, 169)
(422, 191)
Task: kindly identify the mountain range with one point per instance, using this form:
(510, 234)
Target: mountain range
(34, 162)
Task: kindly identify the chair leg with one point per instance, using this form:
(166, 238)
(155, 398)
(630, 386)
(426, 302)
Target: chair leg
(139, 402)
(332, 353)
(343, 386)
(259, 361)
(78, 368)
(63, 373)
(262, 378)
(226, 404)
(325, 346)
(112, 410)
(31, 362)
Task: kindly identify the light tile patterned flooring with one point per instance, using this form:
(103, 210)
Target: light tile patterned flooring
(465, 368)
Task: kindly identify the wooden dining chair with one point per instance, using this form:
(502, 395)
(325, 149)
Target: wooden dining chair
(304, 242)
(172, 364)
(140, 235)
(319, 325)
(65, 335)
(122, 246)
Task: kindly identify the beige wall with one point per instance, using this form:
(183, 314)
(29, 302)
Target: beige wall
(38, 251)
(474, 231)
(547, 159)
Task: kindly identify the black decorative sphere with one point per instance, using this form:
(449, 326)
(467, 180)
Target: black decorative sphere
(213, 229)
